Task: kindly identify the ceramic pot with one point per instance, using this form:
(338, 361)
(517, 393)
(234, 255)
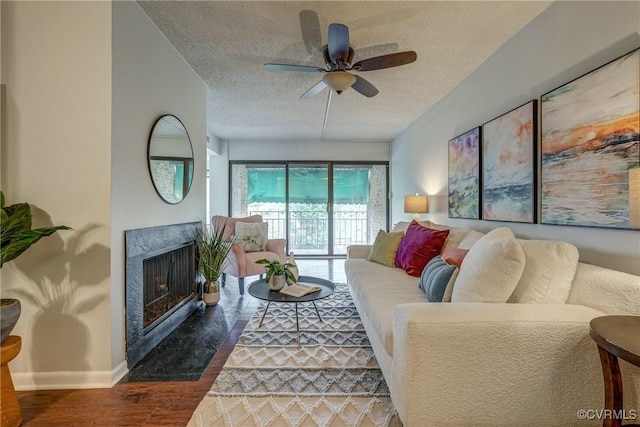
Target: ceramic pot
(277, 282)
(9, 313)
(211, 294)
(296, 274)
(293, 269)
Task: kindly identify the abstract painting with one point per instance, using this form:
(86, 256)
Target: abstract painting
(590, 139)
(508, 165)
(464, 175)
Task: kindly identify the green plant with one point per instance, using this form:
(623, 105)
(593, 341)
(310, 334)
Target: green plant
(276, 267)
(212, 251)
(16, 234)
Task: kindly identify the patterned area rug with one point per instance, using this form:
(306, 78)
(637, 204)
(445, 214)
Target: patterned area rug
(333, 380)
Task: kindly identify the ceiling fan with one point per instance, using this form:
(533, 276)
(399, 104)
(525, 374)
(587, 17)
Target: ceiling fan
(338, 56)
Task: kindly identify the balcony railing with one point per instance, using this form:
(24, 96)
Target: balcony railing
(309, 230)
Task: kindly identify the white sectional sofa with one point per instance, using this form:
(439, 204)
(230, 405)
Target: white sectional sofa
(493, 364)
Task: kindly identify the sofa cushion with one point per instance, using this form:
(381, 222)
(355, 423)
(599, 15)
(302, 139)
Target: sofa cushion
(548, 272)
(385, 247)
(376, 290)
(400, 227)
(470, 239)
(252, 236)
(418, 246)
(491, 270)
(610, 291)
(437, 280)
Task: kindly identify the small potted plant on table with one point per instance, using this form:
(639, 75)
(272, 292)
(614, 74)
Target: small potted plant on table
(277, 273)
(212, 252)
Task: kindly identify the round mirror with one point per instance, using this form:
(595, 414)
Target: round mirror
(170, 159)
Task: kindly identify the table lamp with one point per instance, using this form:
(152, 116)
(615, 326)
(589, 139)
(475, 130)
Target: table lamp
(416, 205)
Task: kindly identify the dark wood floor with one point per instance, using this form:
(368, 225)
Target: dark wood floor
(148, 403)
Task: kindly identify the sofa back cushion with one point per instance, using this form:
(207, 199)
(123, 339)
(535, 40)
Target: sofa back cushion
(548, 273)
(418, 246)
(400, 227)
(470, 239)
(491, 269)
(610, 291)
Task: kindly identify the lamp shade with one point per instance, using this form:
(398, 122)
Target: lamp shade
(416, 205)
(339, 81)
(634, 197)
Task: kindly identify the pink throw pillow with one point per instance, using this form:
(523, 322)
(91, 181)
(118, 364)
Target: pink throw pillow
(455, 256)
(418, 246)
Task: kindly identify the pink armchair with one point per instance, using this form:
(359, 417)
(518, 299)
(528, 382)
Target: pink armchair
(240, 263)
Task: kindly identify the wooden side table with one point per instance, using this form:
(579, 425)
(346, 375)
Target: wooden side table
(616, 336)
(11, 414)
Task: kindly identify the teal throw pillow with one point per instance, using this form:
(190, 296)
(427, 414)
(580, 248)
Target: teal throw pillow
(437, 280)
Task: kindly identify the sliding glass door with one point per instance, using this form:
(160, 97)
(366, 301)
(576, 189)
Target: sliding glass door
(359, 204)
(309, 208)
(319, 207)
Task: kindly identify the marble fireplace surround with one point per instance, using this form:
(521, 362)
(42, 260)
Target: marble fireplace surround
(141, 244)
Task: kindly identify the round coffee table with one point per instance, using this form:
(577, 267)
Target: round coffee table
(260, 289)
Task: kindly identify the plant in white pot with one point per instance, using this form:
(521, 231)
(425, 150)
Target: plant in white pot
(212, 252)
(16, 236)
(277, 273)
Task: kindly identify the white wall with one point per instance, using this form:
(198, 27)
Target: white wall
(82, 85)
(219, 179)
(149, 79)
(567, 40)
(309, 150)
(241, 150)
(56, 149)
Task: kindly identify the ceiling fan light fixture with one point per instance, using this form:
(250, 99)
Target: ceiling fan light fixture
(339, 81)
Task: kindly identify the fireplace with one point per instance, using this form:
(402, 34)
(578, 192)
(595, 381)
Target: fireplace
(161, 288)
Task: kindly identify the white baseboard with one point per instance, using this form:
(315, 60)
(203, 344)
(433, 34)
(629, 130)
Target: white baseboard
(68, 380)
(119, 372)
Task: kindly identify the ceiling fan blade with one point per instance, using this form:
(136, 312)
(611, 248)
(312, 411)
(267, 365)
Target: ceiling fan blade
(291, 67)
(315, 89)
(375, 50)
(385, 61)
(364, 87)
(338, 43)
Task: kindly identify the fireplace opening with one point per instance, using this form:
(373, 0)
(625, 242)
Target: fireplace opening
(168, 282)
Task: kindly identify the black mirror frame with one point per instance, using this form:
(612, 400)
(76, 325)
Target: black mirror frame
(186, 182)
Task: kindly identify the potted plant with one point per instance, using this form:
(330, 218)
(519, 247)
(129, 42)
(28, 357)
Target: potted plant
(277, 273)
(212, 252)
(16, 236)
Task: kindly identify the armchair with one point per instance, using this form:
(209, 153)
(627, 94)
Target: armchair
(240, 263)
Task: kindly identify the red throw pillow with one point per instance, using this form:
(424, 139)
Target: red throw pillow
(418, 246)
(454, 256)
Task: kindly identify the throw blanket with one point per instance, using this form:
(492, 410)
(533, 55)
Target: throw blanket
(333, 380)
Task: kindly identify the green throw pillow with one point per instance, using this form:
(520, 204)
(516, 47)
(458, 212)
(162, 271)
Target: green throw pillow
(385, 247)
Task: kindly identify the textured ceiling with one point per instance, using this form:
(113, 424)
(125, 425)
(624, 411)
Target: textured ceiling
(227, 43)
